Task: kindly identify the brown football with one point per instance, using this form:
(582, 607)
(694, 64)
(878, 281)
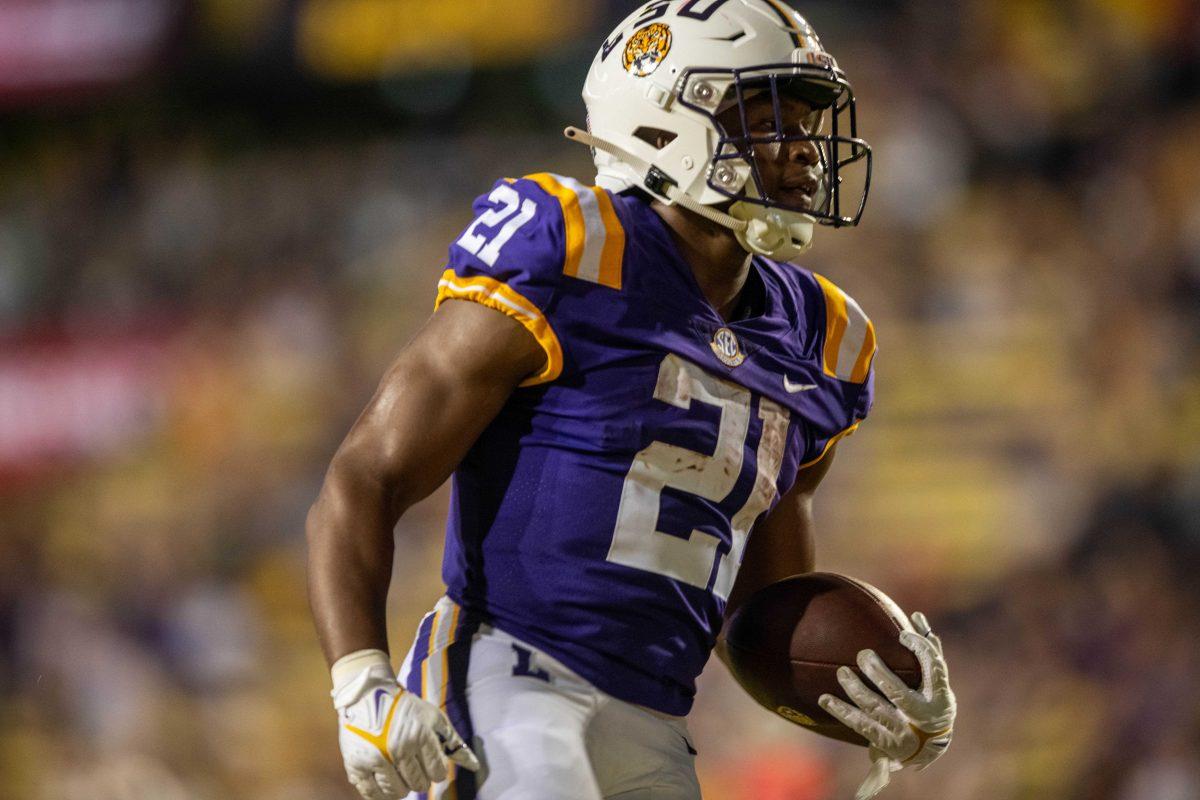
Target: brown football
(787, 641)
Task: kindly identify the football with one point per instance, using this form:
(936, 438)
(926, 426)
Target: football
(785, 644)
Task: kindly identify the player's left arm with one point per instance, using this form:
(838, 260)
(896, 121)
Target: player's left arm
(905, 727)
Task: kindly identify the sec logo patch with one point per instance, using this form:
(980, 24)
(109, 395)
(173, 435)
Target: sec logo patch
(725, 344)
(646, 49)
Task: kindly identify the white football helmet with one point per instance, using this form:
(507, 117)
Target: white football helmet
(658, 84)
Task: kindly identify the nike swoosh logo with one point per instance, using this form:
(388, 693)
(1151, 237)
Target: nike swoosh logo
(793, 388)
(380, 696)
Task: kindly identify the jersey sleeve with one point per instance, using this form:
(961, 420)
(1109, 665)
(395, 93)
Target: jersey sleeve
(846, 348)
(528, 235)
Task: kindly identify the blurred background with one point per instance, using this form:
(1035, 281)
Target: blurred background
(220, 219)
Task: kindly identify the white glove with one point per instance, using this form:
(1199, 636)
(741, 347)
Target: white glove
(911, 730)
(392, 741)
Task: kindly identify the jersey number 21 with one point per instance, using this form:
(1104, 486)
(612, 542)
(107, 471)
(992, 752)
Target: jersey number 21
(637, 542)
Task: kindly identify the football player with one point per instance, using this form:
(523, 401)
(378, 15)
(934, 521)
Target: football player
(624, 381)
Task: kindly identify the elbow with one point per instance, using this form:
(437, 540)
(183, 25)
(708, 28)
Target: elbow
(319, 525)
(356, 495)
(333, 488)
(312, 523)
(345, 494)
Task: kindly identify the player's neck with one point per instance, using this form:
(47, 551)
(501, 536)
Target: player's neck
(718, 261)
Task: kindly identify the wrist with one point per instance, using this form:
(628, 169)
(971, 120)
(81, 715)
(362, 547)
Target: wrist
(352, 672)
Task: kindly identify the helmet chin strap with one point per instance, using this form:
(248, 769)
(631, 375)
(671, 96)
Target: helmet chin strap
(775, 234)
(780, 235)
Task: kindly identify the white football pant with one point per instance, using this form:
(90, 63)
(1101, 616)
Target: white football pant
(540, 731)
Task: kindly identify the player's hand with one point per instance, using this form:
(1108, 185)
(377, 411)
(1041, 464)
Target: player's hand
(392, 741)
(911, 727)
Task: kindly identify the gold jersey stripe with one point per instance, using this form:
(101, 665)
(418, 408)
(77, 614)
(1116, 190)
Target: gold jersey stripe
(835, 324)
(595, 247)
(862, 364)
(576, 229)
(849, 335)
(499, 296)
(612, 255)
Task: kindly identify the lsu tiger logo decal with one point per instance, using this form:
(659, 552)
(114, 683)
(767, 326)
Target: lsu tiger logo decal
(646, 49)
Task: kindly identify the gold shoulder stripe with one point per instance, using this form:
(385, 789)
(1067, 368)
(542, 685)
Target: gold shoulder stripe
(595, 238)
(576, 231)
(835, 324)
(501, 297)
(862, 362)
(612, 256)
(849, 335)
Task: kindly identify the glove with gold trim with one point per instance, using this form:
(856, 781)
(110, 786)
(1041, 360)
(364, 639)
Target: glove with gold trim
(392, 740)
(911, 727)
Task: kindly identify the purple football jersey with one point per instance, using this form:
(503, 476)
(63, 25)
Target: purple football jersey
(602, 515)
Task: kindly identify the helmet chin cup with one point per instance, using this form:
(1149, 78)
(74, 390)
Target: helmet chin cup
(770, 232)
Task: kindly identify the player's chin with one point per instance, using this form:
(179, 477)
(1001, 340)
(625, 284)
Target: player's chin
(795, 200)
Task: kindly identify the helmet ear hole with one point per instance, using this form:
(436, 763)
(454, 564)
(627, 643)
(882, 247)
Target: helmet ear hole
(655, 137)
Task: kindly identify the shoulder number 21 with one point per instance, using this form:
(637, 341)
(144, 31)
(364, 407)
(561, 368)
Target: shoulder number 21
(508, 202)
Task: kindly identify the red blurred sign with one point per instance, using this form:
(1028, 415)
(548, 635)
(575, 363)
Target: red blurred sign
(52, 46)
(65, 401)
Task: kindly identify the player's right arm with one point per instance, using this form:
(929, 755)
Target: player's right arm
(435, 399)
(433, 402)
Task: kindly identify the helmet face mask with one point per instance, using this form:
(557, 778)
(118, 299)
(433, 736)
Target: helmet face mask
(843, 159)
